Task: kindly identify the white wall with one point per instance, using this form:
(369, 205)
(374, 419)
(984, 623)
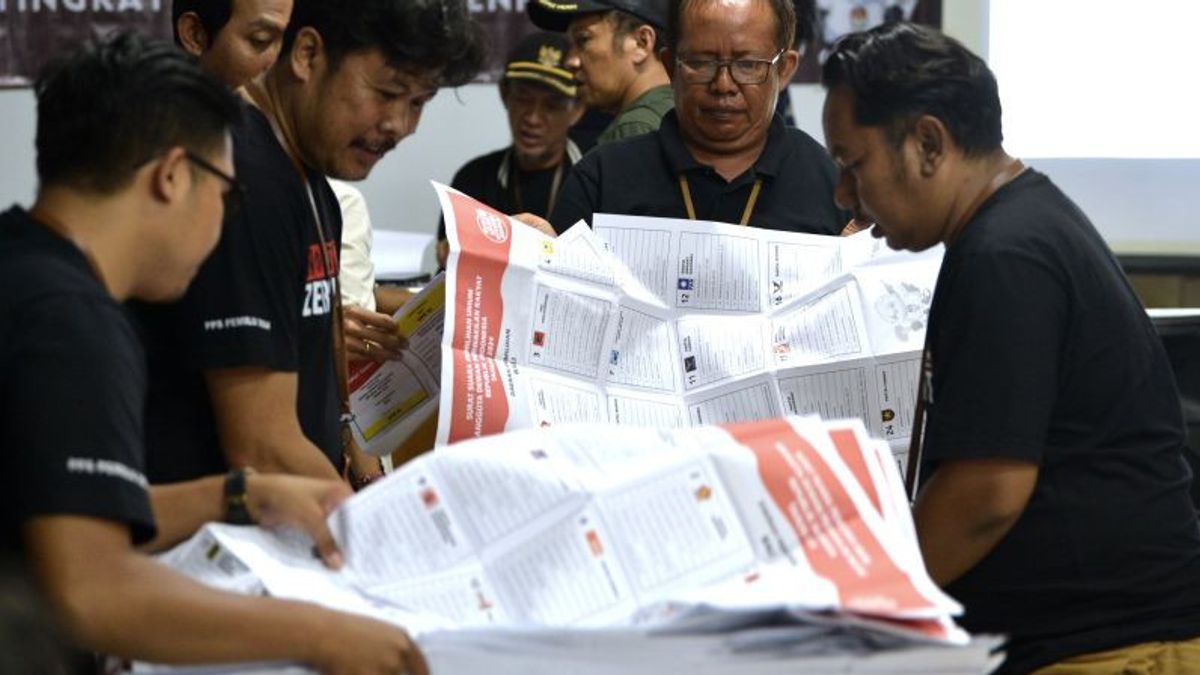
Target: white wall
(1137, 205)
(17, 127)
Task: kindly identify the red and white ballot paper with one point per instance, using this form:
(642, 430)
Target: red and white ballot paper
(668, 323)
(710, 537)
(781, 545)
(786, 540)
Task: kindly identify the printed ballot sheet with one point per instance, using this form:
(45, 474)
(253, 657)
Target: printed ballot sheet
(650, 321)
(389, 400)
(599, 526)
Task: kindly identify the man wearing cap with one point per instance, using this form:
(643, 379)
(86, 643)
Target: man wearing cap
(539, 94)
(723, 154)
(615, 47)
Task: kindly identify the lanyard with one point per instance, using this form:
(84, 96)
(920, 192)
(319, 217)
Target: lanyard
(514, 176)
(339, 337)
(916, 445)
(686, 190)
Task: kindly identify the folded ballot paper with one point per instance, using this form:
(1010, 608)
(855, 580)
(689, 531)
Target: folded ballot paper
(390, 400)
(675, 323)
(756, 547)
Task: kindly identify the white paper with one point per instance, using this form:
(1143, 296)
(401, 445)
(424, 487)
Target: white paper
(650, 321)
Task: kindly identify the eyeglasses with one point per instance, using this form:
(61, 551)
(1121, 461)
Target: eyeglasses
(743, 71)
(233, 196)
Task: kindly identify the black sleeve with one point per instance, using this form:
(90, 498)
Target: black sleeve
(244, 307)
(996, 359)
(71, 423)
(580, 195)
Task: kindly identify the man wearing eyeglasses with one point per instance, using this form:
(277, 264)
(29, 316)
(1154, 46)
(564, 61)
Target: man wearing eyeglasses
(722, 154)
(129, 203)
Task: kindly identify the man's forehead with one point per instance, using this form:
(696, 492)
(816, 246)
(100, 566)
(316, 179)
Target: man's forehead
(413, 77)
(377, 68)
(715, 24)
(584, 22)
(838, 118)
(269, 13)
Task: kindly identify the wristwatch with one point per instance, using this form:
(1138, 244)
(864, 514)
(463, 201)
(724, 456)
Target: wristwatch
(236, 511)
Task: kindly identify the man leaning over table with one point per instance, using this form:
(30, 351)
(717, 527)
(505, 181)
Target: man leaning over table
(130, 200)
(245, 372)
(1054, 503)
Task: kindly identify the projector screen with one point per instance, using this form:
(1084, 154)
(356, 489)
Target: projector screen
(1102, 95)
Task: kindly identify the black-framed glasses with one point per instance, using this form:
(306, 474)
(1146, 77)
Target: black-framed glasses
(743, 71)
(233, 196)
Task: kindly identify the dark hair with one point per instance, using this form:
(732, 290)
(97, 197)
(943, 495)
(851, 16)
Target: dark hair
(625, 23)
(900, 71)
(119, 102)
(437, 35)
(806, 23)
(213, 14)
(783, 10)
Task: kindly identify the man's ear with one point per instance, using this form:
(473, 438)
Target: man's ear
(170, 175)
(789, 61)
(307, 55)
(932, 138)
(192, 36)
(667, 56)
(643, 41)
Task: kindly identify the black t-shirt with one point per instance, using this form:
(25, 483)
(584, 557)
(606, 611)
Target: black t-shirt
(1040, 351)
(640, 177)
(264, 298)
(496, 180)
(72, 388)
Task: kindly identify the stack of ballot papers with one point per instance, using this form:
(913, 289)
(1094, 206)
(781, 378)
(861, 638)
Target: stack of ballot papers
(780, 545)
(675, 323)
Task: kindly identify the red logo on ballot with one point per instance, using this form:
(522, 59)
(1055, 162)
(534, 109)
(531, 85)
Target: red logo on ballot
(491, 225)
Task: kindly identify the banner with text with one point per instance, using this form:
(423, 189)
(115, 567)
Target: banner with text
(32, 32)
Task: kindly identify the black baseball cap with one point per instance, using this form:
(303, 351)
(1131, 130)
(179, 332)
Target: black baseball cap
(539, 58)
(556, 15)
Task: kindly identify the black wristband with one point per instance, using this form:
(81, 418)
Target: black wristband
(236, 512)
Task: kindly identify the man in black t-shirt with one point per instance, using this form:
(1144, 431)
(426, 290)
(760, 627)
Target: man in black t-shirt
(1054, 498)
(130, 200)
(723, 154)
(243, 368)
(539, 96)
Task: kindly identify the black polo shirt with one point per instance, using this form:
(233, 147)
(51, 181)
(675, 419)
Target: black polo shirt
(640, 177)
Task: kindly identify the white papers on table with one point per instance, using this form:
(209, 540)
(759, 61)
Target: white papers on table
(781, 540)
(605, 526)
